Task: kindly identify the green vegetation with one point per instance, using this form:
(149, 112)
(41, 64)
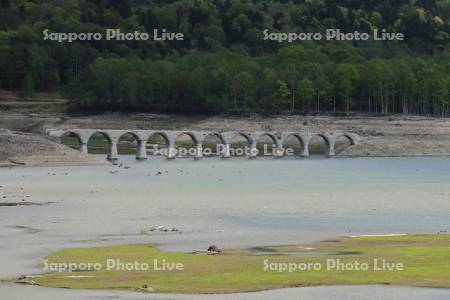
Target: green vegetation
(224, 65)
(426, 260)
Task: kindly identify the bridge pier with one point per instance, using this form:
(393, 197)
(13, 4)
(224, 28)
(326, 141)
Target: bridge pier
(84, 147)
(330, 151)
(331, 141)
(225, 151)
(113, 154)
(305, 149)
(279, 151)
(142, 150)
(198, 151)
(253, 150)
(171, 151)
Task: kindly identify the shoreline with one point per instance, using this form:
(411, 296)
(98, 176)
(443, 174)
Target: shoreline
(321, 249)
(386, 136)
(125, 290)
(103, 162)
(308, 293)
(18, 149)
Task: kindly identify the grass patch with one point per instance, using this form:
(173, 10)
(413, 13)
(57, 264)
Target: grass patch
(426, 260)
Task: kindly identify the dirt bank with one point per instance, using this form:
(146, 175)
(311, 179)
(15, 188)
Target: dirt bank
(31, 150)
(382, 136)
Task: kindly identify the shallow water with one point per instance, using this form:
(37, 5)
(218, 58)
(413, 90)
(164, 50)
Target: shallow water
(15, 292)
(229, 203)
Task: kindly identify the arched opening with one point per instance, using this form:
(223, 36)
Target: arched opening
(71, 139)
(186, 145)
(292, 146)
(266, 145)
(318, 146)
(240, 145)
(127, 144)
(99, 143)
(157, 144)
(342, 143)
(212, 144)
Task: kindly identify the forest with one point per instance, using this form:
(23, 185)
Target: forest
(224, 65)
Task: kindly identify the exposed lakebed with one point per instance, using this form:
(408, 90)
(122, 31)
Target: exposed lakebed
(229, 203)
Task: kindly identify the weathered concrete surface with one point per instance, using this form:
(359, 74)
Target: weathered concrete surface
(198, 138)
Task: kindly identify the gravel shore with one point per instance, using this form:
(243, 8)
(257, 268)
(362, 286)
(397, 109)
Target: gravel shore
(381, 136)
(26, 149)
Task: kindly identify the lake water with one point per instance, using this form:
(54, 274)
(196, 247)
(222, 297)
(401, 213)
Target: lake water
(228, 203)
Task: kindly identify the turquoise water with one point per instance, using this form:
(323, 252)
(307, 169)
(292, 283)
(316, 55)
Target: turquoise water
(336, 195)
(230, 203)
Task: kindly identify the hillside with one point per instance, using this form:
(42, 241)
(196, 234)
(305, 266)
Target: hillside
(223, 63)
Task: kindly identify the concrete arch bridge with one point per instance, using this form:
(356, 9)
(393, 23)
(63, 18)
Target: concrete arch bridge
(198, 138)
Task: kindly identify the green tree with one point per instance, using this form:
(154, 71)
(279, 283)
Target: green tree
(243, 88)
(282, 88)
(28, 86)
(306, 88)
(347, 77)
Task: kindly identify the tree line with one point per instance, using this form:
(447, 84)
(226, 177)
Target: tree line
(297, 79)
(223, 64)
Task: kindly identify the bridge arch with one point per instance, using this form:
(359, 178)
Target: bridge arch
(162, 135)
(216, 136)
(240, 144)
(192, 136)
(244, 135)
(327, 144)
(190, 147)
(128, 137)
(102, 133)
(269, 135)
(350, 137)
(130, 133)
(261, 143)
(213, 143)
(344, 140)
(101, 142)
(159, 142)
(71, 135)
(297, 138)
(111, 138)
